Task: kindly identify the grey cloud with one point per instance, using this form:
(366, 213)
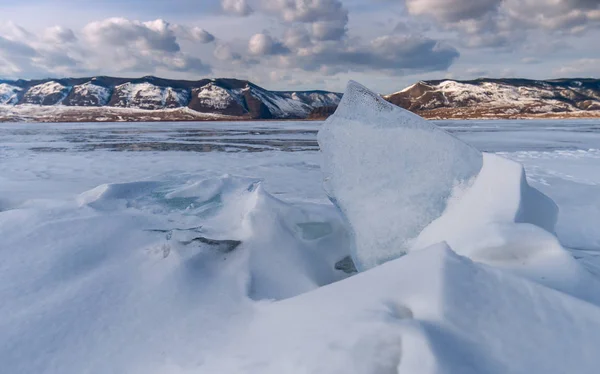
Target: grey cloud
(225, 52)
(59, 35)
(16, 48)
(307, 10)
(202, 35)
(120, 32)
(265, 45)
(328, 18)
(196, 34)
(497, 22)
(237, 7)
(296, 37)
(392, 53)
(328, 30)
(452, 11)
(185, 63)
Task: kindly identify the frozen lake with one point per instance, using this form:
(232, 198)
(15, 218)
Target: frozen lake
(562, 158)
(118, 239)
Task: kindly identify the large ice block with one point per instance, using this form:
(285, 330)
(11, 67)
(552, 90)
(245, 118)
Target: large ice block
(390, 172)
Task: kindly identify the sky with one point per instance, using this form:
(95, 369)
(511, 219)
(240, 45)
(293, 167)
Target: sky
(301, 44)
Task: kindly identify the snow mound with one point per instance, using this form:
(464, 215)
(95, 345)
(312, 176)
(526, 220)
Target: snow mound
(9, 94)
(431, 311)
(499, 194)
(115, 195)
(149, 277)
(303, 244)
(390, 172)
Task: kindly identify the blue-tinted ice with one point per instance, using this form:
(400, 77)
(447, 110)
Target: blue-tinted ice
(390, 172)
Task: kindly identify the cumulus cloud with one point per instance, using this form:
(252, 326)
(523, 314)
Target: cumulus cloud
(108, 46)
(120, 32)
(202, 35)
(59, 35)
(452, 11)
(499, 23)
(237, 7)
(194, 34)
(265, 45)
(225, 52)
(392, 54)
(328, 18)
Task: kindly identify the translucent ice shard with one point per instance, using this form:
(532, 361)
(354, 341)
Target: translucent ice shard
(390, 172)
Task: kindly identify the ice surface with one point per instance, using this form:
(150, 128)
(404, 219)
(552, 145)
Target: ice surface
(390, 172)
(115, 278)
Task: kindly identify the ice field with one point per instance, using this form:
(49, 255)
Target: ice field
(214, 248)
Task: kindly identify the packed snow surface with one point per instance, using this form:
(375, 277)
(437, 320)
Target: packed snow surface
(212, 248)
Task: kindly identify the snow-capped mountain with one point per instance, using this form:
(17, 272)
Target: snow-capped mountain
(9, 95)
(47, 93)
(500, 98)
(155, 99)
(88, 94)
(163, 99)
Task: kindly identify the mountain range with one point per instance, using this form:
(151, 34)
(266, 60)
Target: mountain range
(156, 99)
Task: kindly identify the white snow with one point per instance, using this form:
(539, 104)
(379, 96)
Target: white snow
(217, 97)
(37, 94)
(503, 97)
(102, 94)
(390, 172)
(9, 94)
(148, 96)
(124, 261)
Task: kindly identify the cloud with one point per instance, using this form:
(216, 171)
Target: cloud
(563, 15)
(225, 52)
(452, 11)
(265, 45)
(59, 35)
(16, 48)
(328, 19)
(202, 35)
(392, 54)
(503, 23)
(579, 68)
(194, 34)
(120, 32)
(237, 7)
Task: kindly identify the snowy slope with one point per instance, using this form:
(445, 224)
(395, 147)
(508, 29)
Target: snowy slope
(88, 94)
(147, 96)
(217, 97)
(498, 96)
(49, 93)
(9, 94)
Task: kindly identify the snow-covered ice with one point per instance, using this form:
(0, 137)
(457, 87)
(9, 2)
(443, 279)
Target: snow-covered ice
(390, 172)
(212, 248)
